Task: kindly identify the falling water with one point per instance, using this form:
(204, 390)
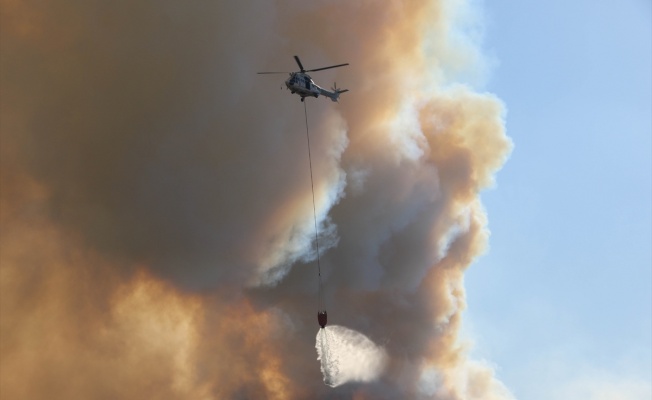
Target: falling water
(347, 355)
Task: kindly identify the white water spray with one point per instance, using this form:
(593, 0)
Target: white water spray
(347, 356)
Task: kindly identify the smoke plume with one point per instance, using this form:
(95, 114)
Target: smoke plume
(156, 208)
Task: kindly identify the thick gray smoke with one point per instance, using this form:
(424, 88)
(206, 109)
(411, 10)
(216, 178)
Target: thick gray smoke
(157, 232)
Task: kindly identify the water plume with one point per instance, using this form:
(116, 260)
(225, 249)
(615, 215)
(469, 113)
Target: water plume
(346, 355)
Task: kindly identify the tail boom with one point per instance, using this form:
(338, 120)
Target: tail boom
(334, 93)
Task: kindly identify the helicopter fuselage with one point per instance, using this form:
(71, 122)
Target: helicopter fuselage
(303, 85)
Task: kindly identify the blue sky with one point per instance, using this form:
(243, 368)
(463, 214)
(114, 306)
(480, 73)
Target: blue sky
(562, 299)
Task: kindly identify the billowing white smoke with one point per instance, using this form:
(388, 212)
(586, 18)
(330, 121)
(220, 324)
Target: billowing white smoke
(144, 162)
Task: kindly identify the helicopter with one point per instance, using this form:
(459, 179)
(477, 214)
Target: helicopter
(302, 84)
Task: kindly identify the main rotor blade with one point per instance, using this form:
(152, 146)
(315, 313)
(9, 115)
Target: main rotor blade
(263, 73)
(323, 68)
(296, 58)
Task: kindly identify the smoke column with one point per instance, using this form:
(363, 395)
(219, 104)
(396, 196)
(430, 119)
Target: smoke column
(156, 231)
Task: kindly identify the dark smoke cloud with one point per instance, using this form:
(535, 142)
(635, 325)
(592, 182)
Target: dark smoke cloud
(156, 206)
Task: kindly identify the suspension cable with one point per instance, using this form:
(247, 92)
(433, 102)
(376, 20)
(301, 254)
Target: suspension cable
(314, 209)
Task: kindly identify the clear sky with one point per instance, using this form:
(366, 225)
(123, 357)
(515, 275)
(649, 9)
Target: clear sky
(561, 303)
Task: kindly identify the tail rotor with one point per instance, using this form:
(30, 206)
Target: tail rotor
(336, 92)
